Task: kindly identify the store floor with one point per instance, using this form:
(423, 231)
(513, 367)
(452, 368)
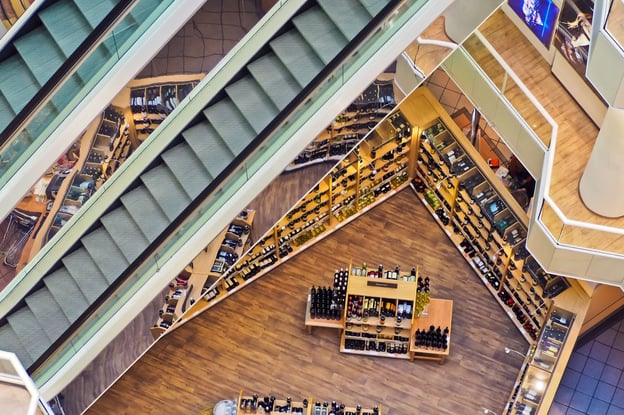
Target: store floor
(256, 340)
(593, 382)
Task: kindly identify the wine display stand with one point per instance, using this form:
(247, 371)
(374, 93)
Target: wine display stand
(438, 314)
(256, 404)
(374, 326)
(540, 363)
(382, 313)
(198, 277)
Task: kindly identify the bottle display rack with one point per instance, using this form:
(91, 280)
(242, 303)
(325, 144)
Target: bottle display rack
(478, 215)
(540, 363)
(151, 104)
(199, 276)
(349, 127)
(109, 148)
(383, 313)
(379, 314)
(373, 171)
(269, 404)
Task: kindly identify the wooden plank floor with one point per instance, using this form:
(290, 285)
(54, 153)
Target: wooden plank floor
(256, 339)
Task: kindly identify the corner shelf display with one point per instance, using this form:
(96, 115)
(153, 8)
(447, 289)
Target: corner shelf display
(151, 104)
(205, 270)
(538, 368)
(109, 149)
(370, 173)
(269, 404)
(488, 227)
(349, 127)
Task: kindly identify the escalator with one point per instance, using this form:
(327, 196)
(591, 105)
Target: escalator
(54, 40)
(303, 53)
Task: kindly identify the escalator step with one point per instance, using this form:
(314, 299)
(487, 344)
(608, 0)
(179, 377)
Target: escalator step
(349, 15)
(209, 147)
(66, 24)
(166, 190)
(298, 56)
(86, 273)
(17, 83)
(320, 33)
(125, 232)
(374, 6)
(10, 343)
(275, 80)
(187, 169)
(252, 102)
(66, 293)
(230, 125)
(48, 312)
(29, 332)
(105, 253)
(145, 212)
(95, 11)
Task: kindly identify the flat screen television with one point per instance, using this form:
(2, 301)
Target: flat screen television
(539, 15)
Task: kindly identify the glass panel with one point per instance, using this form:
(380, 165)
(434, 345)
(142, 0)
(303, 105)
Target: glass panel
(498, 74)
(88, 75)
(577, 236)
(551, 221)
(615, 22)
(592, 239)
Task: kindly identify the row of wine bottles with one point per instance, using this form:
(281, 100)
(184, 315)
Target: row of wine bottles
(376, 346)
(270, 404)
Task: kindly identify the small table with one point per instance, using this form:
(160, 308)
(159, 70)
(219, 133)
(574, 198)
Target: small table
(320, 322)
(439, 313)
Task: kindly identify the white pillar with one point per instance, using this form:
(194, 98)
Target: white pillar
(602, 185)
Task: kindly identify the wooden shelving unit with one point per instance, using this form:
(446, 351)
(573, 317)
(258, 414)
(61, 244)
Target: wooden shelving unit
(205, 270)
(438, 313)
(350, 126)
(151, 104)
(305, 406)
(480, 216)
(378, 331)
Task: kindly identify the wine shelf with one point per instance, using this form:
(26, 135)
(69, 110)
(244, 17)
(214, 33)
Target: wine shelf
(479, 215)
(196, 279)
(349, 127)
(269, 404)
(540, 363)
(151, 104)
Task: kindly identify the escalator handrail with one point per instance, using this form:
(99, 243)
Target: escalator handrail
(21, 26)
(45, 93)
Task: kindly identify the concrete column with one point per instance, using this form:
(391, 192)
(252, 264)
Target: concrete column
(602, 185)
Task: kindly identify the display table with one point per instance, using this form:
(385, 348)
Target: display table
(320, 322)
(439, 313)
